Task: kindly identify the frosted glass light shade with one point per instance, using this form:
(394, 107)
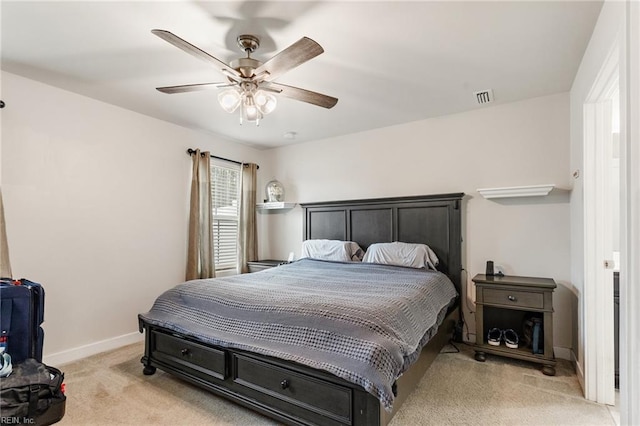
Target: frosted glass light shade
(229, 100)
(265, 102)
(250, 111)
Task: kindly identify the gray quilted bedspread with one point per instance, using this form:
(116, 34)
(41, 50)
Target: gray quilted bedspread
(363, 322)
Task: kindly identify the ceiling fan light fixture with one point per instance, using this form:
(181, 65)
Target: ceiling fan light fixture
(265, 102)
(246, 75)
(230, 100)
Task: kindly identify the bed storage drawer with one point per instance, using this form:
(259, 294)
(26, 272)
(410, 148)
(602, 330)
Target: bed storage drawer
(198, 358)
(314, 395)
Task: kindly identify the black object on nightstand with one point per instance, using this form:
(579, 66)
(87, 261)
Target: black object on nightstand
(260, 265)
(508, 302)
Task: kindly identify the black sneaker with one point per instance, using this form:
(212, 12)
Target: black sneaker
(511, 338)
(494, 337)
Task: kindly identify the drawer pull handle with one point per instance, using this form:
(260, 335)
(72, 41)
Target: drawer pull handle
(284, 384)
(512, 298)
(185, 352)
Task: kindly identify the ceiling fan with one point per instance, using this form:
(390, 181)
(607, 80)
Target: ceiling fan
(250, 83)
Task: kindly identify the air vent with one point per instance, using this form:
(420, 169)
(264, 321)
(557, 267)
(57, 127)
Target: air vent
(484, 96)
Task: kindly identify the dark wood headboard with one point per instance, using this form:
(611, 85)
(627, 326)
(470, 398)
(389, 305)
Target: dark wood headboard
(434, 220)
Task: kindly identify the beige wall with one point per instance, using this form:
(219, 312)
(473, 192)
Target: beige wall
(524, 143)
(96, 197)
(96, 202)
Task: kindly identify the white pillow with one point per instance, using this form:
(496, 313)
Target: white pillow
(402, 254)
(342, 251)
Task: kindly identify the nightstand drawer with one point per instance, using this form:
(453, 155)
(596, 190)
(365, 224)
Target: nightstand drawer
(520, 299)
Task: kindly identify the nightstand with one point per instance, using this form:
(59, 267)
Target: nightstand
(507, 302)
(260, 265)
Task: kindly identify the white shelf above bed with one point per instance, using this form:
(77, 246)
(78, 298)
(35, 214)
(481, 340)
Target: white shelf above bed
(517, 191)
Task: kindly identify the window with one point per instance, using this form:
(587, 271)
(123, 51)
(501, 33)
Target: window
(225, 196)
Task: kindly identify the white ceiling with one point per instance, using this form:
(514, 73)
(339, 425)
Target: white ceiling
(387, 62)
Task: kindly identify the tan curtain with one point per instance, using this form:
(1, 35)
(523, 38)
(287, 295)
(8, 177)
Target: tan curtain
(200, 263)
(247, 232)
(5, 265)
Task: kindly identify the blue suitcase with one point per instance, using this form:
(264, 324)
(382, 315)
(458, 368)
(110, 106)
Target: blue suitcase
(21, 317)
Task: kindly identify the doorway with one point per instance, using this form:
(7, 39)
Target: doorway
(615, 226)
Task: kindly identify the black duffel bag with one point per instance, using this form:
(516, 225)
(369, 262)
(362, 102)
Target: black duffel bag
(33, 394)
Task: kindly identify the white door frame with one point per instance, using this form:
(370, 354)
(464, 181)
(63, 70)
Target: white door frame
(628, 44)
(630, 211)
(598, 248)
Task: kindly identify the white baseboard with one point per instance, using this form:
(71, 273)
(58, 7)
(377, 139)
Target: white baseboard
(80, 352)
(579, 372)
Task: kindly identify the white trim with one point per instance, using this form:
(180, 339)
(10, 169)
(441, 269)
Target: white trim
(598, 296)
(74, 354)
(517, 191)
(630, 217)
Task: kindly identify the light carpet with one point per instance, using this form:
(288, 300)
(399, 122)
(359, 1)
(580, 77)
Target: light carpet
(110, 389)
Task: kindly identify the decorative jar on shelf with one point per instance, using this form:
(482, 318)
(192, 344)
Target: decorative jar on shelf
(275, 192)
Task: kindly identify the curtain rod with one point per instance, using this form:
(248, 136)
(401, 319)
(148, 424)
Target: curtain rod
(193, 151)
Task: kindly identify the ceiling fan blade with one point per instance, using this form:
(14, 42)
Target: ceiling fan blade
(298, 53)
(192, 87)
(303, 95)
(169, 37)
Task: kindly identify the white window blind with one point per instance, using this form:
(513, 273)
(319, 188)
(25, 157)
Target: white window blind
(225, 196)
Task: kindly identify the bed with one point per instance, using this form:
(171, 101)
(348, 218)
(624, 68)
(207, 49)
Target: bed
(266, 369)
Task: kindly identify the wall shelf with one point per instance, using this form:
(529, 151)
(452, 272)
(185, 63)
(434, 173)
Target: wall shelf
(517, 191)
(281, 205)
